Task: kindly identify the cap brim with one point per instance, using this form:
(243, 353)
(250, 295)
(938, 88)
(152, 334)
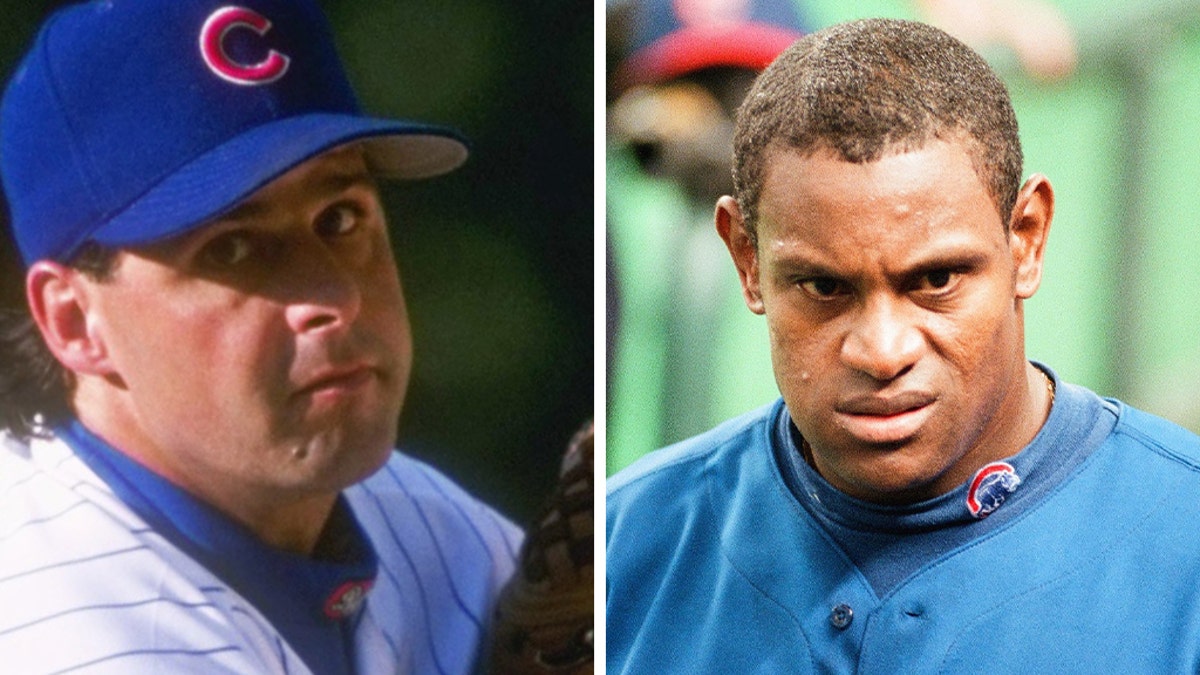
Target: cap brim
(223, 177)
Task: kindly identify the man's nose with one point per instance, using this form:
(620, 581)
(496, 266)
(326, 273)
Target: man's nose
(325, 293)
(883, 341)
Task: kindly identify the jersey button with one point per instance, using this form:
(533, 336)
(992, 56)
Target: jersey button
(841, 616)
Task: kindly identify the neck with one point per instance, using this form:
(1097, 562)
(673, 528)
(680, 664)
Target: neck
(295, 527)
(289, 521)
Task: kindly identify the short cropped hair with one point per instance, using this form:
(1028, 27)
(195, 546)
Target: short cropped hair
(870, 87)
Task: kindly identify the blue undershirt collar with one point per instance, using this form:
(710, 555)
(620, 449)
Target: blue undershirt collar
(314, 602)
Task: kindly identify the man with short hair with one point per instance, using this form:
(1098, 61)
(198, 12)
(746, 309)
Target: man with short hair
(197, 471)
(922, 498)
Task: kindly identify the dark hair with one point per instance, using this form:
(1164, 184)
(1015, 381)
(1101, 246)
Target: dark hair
(35, 389)
(868, 87)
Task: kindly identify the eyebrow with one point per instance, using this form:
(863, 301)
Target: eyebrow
(950, 260)
(795, 263)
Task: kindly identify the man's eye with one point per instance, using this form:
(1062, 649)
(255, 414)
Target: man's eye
(337, 221)
(936, 280)
(229, 249)
(824, 287)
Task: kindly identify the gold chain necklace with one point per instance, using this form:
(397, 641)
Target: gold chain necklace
(1049, 385)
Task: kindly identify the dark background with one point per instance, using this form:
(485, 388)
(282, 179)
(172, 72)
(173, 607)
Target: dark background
(496, 258)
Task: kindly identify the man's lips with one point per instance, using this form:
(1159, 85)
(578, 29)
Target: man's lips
(885, 419)
(338, 380)
(883, 406)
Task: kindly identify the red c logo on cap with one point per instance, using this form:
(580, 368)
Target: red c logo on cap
(212, 47)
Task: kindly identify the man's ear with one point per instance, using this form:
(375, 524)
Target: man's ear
(58, 299)
(732, 228)
(1029, 228)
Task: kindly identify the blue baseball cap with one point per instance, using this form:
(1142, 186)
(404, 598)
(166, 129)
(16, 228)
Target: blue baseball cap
(130, 121)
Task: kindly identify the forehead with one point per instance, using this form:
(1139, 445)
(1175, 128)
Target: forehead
(939, 173)
(824, 168)
(889, 204)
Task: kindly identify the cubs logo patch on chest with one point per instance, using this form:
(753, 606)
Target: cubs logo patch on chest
(990, 487)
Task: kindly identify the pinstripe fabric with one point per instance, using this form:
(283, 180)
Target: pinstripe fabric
(443, 557)
(76, 561)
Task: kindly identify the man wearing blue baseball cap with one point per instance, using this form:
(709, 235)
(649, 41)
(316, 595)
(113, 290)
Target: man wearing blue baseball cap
(196, 466)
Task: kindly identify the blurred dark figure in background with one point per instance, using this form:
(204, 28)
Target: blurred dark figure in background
(680, 70)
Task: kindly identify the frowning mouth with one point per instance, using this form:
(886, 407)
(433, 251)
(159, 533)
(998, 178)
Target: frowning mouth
(885, 419)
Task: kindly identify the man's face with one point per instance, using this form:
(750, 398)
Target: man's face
(267, 352)
(893, 304)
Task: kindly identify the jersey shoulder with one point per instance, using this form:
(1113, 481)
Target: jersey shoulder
(1158, 435)
(408, 498)
(74, 560)
(686, 459)
(444, 557)
(657, 503)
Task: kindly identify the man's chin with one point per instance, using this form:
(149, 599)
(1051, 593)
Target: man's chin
(338, 458)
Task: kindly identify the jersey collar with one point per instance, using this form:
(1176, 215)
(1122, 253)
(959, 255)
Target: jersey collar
(304, 598)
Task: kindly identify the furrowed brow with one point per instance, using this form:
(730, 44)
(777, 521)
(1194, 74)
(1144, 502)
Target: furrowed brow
(961, 261)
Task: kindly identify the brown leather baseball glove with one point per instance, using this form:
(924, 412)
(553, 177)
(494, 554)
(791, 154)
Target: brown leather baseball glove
(543, 622)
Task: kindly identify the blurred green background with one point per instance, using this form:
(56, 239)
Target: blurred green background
(1118, 309)
(496, 258)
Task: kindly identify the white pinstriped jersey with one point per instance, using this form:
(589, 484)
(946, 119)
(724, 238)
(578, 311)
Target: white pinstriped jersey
(86, 585)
